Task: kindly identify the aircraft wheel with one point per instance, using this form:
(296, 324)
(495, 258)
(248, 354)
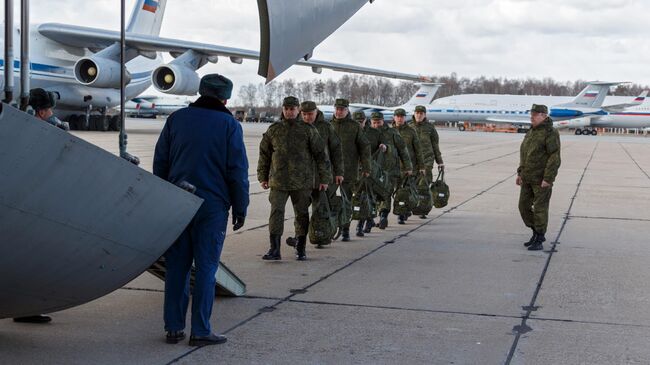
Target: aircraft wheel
(72, 120)
(102, 123)
(594, 132)
(115, 123)
(461, 128)
(578, 132)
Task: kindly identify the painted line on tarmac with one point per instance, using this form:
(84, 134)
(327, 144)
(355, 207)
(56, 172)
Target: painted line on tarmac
(633, 160)
(610, 218)
(523, 327)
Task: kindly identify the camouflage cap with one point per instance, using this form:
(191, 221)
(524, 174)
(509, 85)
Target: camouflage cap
(359, 116)
(420, 108)
(399, 111)
(290, 101)
(377, 115)
(538, 108)
(342, 103)
(308, 106)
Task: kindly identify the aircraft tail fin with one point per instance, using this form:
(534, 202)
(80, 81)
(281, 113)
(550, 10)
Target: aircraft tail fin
(620, 107)
(147, 17)
(424, 95)
(593, 95)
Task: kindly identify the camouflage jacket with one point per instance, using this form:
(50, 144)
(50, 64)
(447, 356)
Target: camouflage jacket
(355, 147)
(332, 143)
(396, 151)
(429, 142)
(412, 142)
(540, 154)
(287, 152)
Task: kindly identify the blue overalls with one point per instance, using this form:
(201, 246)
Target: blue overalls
(203, 145)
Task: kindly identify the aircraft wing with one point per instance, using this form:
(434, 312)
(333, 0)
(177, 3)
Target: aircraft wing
(620, 107)
(98, 39)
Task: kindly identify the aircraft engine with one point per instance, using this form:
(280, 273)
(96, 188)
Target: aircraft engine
(175, 79)
(99, 72)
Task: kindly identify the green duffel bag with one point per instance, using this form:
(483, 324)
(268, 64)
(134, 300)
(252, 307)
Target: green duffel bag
(440, 191)
(380, 182)
(362, 201)
(341, 208)
(425, 199)
(406, 197)
(323, 223)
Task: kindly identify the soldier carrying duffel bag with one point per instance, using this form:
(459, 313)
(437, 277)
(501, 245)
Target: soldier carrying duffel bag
(406, 199)
(440, 191)
(363, 205)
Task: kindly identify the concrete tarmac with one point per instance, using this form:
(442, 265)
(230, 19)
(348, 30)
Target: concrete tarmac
(455, 288)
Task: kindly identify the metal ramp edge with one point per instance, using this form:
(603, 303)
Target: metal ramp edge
(228, 283)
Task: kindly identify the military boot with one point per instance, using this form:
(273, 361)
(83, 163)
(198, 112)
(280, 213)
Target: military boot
(301, 254)
(274, 250)
(369, 224)
(383, 219)
(532, 239)
(346, 234)
(401, 219)
(360, 228)
(537, 245)
(423, 216)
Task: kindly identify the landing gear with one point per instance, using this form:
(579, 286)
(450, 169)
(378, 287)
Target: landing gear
(586, 132)
(96, 122)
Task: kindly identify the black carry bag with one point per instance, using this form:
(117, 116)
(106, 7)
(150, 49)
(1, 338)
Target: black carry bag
(362, 201)
(323, 223)
(440, 191)
(425, 199)
(406, 197)
(380, 183)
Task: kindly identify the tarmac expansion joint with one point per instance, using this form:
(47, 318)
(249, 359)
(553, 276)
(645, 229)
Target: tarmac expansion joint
(267, 309)
(298, 291)
(521, 329)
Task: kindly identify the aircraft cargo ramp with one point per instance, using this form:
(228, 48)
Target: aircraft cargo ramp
(76, 221)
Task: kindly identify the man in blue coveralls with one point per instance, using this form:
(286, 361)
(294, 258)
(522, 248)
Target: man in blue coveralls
(202, 145)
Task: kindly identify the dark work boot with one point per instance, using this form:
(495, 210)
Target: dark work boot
(383, 219)
(537, 245)
(423, 216)
(532, 239)
(346, 235)
(174, 336)
(401, 219)
(301, 245)
(291, 241)
(211, 339)
(360, 229)
(274, 250)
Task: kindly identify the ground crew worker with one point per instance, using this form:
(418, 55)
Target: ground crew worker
(538, 167)
(203, 145)
(355, 151)
(429, 143)
(43, 103)
(311, 115)
(412, 142)
(397, 153)
(287, 152)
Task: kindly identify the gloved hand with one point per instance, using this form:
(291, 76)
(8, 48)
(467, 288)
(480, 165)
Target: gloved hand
(237, 222)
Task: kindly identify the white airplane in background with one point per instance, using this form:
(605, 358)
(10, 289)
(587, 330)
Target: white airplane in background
(81, 64)
(423, 96)
(514, 109)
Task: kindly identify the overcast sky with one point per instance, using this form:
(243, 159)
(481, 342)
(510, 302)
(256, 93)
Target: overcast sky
(562, 39)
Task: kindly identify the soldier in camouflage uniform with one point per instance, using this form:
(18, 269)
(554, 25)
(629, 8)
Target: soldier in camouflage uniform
(390, 142)
(311, 115)
(429, 142)
(410, 137)
(538, 167)
(368, 132)
(355, 150)
(287, 152)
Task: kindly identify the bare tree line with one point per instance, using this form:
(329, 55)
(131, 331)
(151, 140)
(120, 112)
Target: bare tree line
(381, 91)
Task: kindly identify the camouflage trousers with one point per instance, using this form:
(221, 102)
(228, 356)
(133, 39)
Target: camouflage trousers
(429, 171)
(300, 199)
(533, 206)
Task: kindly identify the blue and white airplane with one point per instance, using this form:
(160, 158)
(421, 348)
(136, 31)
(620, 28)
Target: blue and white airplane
(591, 108)
(81, 64)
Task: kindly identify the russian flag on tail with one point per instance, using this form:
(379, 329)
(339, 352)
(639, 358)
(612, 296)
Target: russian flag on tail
(591, 94)
(421, 95)
(150, 5)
